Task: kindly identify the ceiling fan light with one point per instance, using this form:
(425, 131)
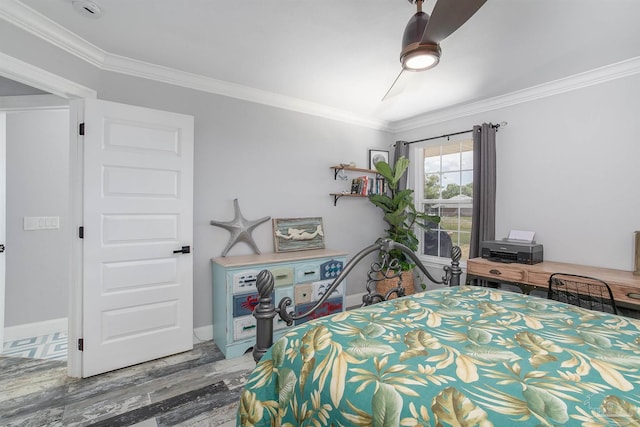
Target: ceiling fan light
(416, 56)
(419, 57)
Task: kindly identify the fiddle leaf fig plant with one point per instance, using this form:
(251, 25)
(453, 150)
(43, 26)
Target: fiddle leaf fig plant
(399, 210)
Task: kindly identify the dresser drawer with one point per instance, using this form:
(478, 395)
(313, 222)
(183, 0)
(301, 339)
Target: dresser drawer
(245, 327)
(320, 288)
(504, 273)
(330, 306)
(303, 293)
(244, 304)
(308, 273)
(330, 269)
(244, 281)
(282, 276)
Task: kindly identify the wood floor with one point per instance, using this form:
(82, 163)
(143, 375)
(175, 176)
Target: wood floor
(196, 388)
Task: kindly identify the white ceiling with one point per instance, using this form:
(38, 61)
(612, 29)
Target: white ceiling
(344, 54)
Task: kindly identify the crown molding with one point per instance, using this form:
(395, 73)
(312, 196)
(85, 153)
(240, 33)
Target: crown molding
(20, 71)
(39, 25)
(133, 67)
(578, 81)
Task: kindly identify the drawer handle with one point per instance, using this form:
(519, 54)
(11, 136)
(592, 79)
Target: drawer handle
(306, 273)
(496, 272)
(281, 276)
(244, 328)
(633, 295)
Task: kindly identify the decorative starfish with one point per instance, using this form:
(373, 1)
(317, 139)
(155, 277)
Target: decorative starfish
(240, 229)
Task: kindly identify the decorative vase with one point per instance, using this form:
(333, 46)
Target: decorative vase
(385, 285)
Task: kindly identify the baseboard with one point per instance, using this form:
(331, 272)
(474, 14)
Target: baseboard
(36, 329)
(354, 300)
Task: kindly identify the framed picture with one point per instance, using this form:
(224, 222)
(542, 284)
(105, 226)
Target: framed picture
(376, 156)
(297, 234)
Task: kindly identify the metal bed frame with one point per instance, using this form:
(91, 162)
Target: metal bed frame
(385, 268)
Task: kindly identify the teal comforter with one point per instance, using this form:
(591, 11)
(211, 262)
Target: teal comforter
(463, 356)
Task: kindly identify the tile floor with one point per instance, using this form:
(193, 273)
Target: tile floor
(49, 347)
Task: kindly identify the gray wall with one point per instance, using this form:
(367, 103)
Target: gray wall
(38, 261)
(567, 168)
(276, 162)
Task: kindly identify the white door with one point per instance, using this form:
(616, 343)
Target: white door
(3, 216)
(137, 212)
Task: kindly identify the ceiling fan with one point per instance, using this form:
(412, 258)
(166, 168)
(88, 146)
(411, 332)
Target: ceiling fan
(423, 33)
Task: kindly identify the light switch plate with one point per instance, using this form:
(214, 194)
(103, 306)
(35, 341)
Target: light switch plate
(41, 223)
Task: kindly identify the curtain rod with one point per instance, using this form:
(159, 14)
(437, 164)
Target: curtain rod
(497, 126)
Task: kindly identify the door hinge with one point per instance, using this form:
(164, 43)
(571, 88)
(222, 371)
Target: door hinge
(81, 232)
(81, 129)
(81, 344)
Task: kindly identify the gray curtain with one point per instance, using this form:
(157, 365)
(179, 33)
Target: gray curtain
(484, 187)
(401, 149)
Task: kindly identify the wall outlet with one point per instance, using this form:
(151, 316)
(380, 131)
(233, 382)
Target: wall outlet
(41, 222)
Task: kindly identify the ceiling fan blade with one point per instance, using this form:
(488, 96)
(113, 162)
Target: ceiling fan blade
(448, 16)
(392, 85)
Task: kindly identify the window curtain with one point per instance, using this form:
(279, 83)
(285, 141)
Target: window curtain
(484, 187)
(401, 149)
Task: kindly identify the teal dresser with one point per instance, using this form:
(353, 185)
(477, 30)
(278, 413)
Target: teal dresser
(303, 276)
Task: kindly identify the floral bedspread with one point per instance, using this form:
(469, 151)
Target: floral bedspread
(463, 356)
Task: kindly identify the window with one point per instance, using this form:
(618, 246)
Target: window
(447, 180)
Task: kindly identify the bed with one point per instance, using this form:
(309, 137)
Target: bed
(455, 356)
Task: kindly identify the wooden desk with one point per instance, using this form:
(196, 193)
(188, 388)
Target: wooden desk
(625, 286)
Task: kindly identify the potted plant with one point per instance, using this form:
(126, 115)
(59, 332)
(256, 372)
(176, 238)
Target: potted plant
(401, 216)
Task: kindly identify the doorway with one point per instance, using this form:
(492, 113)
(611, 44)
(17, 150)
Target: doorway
(27, 74)
(38, 232)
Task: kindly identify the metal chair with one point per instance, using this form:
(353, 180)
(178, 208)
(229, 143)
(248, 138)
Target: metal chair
(582, 291)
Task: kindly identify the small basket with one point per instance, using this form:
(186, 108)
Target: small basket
(385, 285)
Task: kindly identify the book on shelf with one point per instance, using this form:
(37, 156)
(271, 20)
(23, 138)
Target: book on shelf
(355, 185)
(365, 185)
(378, 186)
(360, 186)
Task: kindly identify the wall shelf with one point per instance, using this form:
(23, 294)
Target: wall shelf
(336, 196)
(337, 169)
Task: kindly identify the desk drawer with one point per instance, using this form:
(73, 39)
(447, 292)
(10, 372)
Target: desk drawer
(500, 273)
(625, 294)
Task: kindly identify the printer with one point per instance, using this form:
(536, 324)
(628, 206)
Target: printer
(508, 250)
